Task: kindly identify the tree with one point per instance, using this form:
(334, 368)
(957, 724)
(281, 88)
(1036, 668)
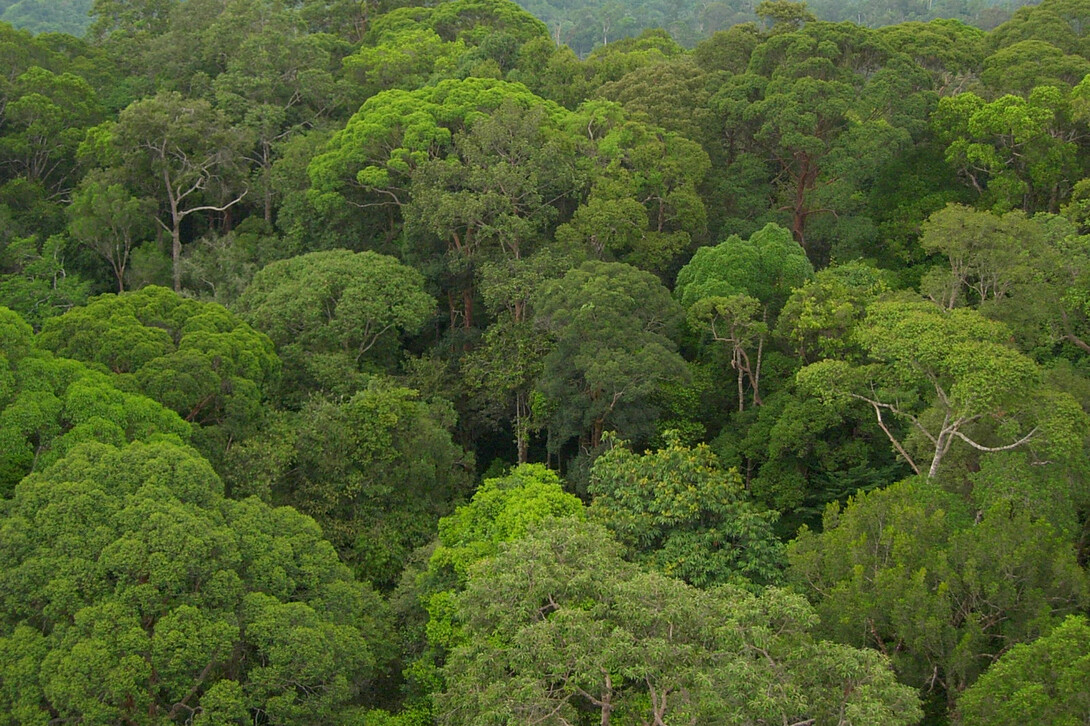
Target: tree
(502, 510)
(673, 95)
(130, 17)
(277, 82)
(820, 317)
(494, 196)
(767, 266)
(1015, 153)
(643, 207)
(185, 154)
(951, 379)
(45, 117)
(111, 222)
(678, 511)
(333, 312)
(371, 166)
(799, 453)
(48, 405)
(501, 371)
(559, 625)
(376, 471)
(144, 596)
(735, 289)
(39, 280)
(197, 359)
(825, 122)
(941, 586)
(612, 325)
(783, 16)
(1045, 682)
(1021, 67)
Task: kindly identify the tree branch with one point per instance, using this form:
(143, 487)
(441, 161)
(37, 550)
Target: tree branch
(1008, 447)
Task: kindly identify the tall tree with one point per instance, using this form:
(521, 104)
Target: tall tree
(950, 378)
(334, 313)
(941, 585)
(185, 154)
(614, 328)
(569, 628)
(107, 219)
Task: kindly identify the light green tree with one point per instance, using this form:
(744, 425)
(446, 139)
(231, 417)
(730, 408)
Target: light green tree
(560, 625)
(50, 404)
(1046, 682)
(134, 591)
(950, 378)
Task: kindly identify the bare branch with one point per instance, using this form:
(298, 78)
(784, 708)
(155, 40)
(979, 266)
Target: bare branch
(1008, 447)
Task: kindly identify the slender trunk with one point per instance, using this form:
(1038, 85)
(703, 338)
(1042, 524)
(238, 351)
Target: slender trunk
(521, 420)
(453, 309)
(942, 445)
(741, 390)
(176, 253)
(606, 702)
(175, 232)
(755, 374)
(467, 305)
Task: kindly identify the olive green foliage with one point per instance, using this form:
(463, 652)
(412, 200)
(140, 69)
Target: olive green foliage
(1015, 152)
(800, 453)
(821, 315)
(643, 207)
(613, 326)
(678, 511)
(567, 626)
(184, 153)
(49, 404)
(40, 16)
(476, 244)
(37, 282)
(376, 471)
(950, 379)
(939, 584)
(333, 313)
(135, 592)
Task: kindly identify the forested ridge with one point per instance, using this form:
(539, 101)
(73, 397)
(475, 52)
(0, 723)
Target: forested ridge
(391, 364)
(585, 24)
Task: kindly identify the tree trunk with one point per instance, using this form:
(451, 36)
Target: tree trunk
(176, 253)
(522, 415)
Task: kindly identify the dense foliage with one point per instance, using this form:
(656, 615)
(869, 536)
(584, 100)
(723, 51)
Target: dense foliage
(394, 364)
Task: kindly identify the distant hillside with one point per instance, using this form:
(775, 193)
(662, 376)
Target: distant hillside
(585, 24)
(47, 16)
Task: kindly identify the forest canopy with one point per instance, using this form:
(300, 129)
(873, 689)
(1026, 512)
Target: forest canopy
(404, 363)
